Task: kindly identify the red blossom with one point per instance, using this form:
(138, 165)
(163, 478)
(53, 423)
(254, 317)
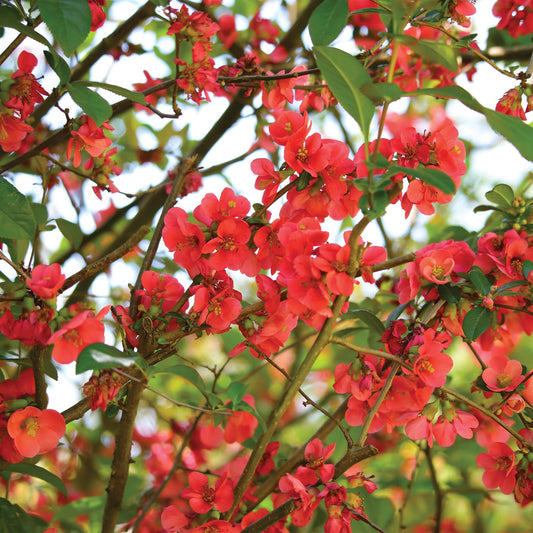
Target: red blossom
(88, 137)
(502, 373)
(500, 467)
(75, 335)
(35, 431)
(511, 104)
(203, 497)
(46, 280)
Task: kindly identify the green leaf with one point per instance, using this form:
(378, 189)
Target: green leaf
(16, 215)
(236, 393)
(303, 180)
(327, 21)
(395, 314)
(370, 319)
(502, 195)
(382, 92)
(68, 20)
(136, 97)
(476, 322)
(431, 176)
(188, 373)
(11, 19)
(192, 375)
(99, 355)
(527, 268)
(59, 65)
(14, 519)
(38, 472)
(345, 75)
(73, 509)
(71, 231)
(479, 280)
(449, 293)
(91, 103)
(433, 52)
(510, 285)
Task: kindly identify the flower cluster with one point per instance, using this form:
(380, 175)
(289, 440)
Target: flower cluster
(18, 99)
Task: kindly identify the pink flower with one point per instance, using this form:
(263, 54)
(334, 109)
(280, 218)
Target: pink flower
(46, 281)
(202, 497)
(499, 465)
(74, 336)
(502, 373)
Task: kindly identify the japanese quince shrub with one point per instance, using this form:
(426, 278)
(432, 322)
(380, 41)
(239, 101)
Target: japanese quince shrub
(265, 356)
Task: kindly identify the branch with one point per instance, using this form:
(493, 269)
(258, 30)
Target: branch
(438, 491)
(102, 263)
(121, 459)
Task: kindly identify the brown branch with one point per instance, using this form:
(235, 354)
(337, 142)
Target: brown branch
(439, 497)
(121, 459)
(104, 262)
(37, 354)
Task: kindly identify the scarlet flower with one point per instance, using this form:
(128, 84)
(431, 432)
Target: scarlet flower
(45, 281)
(304, 497)
(289, 124)
(183, 238)
(97, 13)
(431, 365)
(173, 520)
(516, 17)
(307, 155)
(162, 291)
(240, 425)
(217, 311)
(502, 373)
(500, 467)
(101, 389)
(315, 455)
(8, 450)
(202, 497)
(211, 209)
(88, 137)
(25, 91)
(23, 385)
(35, 431)
(229, 249)
(511, 104)
(74, 336)
(13, 130)
(448, 427)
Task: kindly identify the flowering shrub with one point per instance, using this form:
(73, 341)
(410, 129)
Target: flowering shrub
(258, 352)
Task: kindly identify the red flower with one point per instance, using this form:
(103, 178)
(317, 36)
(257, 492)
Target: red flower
(431, 365)
(89, 137)
(307, 155)
(13, 130)
(202, 497)
(25, 91)
(35, 431)
(74, 336)
(228, 249)
(173, 520)
(502, 373)
(500, 468)
(101, 389)
(511, 104)
(240, 425)
(46, 281)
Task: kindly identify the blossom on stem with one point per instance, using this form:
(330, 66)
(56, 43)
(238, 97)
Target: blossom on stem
(500, 467)
(203, 497)
(46, 280)
(35, 431)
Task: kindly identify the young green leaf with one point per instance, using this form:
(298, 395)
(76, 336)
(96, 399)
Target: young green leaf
(502, 195)
(136, 97)
(327, 21)
(68, 20)
(431, 176)
(479, 280)
(99, 356)
(476, 322)
(91, 103)
(16, 215)
(38, 472)
(345, 75)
